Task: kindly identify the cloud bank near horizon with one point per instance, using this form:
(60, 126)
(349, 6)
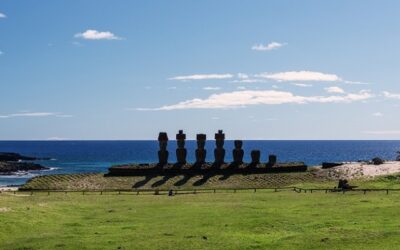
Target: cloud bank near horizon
(35, 114)
(240, 99)
(299, 77)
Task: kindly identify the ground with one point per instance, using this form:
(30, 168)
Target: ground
(100, 182)
(222, 220)
(227, 219)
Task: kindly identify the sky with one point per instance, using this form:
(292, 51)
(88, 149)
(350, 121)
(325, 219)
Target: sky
(126, 70)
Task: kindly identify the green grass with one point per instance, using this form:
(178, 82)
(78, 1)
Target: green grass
(242, 220)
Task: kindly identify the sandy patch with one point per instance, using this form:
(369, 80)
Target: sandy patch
(4, 209)
(355, 170)
(8, 188)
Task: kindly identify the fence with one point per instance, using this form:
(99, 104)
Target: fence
(198, 191)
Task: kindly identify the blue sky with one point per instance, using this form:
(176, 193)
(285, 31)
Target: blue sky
(257, 69)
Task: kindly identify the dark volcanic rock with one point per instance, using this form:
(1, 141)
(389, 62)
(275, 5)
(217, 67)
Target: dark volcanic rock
(377, 161)
(331, 164)
(5, 156)
(13, 162)
(7, 168)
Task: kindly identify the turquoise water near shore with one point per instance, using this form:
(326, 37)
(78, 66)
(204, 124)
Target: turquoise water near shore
(98, 156)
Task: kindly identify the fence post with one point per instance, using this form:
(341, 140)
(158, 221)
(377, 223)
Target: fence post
(31, 193)
(276, 190)
(101, 192)
(255, 190)
(119, 192)
(48, 192)
(365, 191)
(326, 191)
(215, 191)
(234, 190)
(311, 190)
(387, 191)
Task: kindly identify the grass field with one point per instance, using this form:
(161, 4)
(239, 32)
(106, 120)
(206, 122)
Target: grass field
(242, 220)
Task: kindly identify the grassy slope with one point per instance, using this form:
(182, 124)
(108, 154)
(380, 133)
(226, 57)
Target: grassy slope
(244, 220)
(98, 181)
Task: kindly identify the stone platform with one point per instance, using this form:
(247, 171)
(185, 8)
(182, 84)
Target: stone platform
(204, 169)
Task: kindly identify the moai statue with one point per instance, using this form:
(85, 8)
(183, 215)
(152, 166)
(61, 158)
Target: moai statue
(163, 153)
(255, 157)
(181, 150)
(200, 151)
(238, 152)
(271, 160)
(219, 151)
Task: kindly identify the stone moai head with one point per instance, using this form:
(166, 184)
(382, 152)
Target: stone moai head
(238, 152)
(201, 140)
(163, 140)
(180, 139)
(255, 156)
(219, 139)
(238, 144)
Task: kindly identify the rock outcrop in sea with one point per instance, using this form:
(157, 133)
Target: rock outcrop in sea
(10, 163)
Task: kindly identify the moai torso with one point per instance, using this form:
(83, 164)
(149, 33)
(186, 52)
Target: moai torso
(255, 157)
(271, 160)
(200, 151)
(238, 152)
(219, 151)
(163, 153)
(181, 150)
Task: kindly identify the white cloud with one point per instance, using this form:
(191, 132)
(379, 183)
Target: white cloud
(270, 46)
(242, 76)
(248, 80)
(300, 76)
(201, 77)
(241, 87)
(35, 114)
(64, 116)
(382, 132)
(378, 114)
(334, 89)
(389, 95)
(97, 35)
(240, 99)
(302, 85)
(211, 88)
(356, 82)
(2, 15)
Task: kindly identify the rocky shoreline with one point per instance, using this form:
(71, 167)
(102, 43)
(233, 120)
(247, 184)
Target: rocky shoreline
(11, 163)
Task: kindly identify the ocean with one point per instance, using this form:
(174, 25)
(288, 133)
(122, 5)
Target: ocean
(98, 156)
